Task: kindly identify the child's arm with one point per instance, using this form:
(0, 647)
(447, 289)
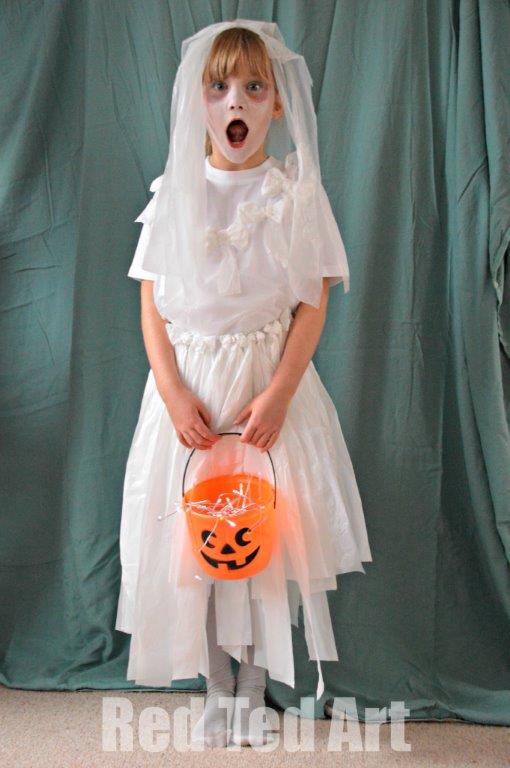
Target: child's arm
(158, 346)
(266, 412)
(187, 412)
(300, 345)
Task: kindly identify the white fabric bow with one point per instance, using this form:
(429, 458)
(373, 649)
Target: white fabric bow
(252, 213)
(228, 280)
(277, 182)
(235, 235)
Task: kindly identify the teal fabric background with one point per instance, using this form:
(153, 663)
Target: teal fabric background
(414, 126)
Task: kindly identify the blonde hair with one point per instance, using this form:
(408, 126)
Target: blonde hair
(232, 48)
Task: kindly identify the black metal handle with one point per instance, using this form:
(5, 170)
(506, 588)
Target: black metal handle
(230, 433)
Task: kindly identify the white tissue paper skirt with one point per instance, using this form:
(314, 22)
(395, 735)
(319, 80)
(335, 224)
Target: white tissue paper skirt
(320, 523)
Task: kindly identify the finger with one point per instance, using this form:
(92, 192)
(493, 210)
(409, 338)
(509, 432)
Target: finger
(259, 436)
(271, 441)
(198, 439)
(187, 440)
(262, 440)
(191, 440)
(182, 439)
(204, 414)
(265, 440)
(206, 433)
(242, 416)
(248, 433)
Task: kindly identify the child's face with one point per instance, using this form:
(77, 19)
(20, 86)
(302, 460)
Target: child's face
(239, 113)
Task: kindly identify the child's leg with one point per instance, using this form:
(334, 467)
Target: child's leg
(251, 686)
(215, 720)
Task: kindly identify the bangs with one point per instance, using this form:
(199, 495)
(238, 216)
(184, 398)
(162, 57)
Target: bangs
(231, 49)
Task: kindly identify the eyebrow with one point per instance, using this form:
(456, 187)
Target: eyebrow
(246, 79)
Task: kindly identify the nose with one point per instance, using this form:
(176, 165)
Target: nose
(236, 97)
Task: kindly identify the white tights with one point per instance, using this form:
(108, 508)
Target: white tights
(218, 724)
(214, 726)
(251, 685)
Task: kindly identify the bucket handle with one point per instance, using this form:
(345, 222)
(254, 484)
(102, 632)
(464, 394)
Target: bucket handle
(231, 433)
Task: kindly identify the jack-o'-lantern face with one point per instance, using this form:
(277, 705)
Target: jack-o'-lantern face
(240, 544)
(235, 554)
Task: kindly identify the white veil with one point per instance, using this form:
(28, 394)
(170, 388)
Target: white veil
(176, 246)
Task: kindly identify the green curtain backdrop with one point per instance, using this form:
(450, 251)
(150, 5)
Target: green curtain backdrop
(412, 99)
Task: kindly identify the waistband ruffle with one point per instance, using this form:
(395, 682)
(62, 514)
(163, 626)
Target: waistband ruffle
(195, 340)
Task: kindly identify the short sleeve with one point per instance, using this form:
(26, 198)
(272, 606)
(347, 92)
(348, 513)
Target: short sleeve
(316, 248)
(136, 270)
(333, 260)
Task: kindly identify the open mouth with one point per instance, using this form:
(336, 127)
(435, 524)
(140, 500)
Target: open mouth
(237, 131)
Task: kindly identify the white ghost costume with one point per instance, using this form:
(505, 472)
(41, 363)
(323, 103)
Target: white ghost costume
(228, 345)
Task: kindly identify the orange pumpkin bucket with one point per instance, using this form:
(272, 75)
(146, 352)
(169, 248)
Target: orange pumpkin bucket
(231, 517)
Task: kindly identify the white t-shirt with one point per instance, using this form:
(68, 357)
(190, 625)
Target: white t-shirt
(250, 264)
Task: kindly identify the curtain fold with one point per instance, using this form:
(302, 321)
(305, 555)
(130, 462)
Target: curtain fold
(414, 131)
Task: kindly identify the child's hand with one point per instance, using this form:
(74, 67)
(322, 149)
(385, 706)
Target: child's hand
(191, 418)
(267, 413)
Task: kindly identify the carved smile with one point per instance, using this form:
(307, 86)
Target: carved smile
(231, 564)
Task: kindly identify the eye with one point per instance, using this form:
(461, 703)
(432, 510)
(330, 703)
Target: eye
(215, 83)
(239, 537)
(206, 535)
(258, 86)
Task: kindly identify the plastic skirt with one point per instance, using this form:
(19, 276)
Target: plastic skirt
(320, 525)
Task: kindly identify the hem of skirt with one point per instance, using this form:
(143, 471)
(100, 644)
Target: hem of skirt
(191, 675)
(157, 682)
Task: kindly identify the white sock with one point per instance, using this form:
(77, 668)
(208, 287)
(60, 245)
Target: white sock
(215, 724)
(251, 686)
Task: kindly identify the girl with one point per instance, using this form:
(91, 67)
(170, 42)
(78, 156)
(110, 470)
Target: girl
(237, 254)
